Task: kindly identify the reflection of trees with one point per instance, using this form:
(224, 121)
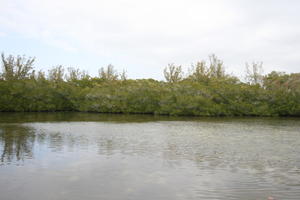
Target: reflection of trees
(56, 141)
(16, 142)
(108, 145)
(80, 117)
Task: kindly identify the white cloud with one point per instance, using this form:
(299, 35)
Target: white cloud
(146, 35)
(2, 34)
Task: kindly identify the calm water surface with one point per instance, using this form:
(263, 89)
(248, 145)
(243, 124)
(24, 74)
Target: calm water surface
(80, 156)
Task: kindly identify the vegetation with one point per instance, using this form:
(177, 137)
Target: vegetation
(206, 90)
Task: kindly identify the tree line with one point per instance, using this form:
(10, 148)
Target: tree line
(205, 90)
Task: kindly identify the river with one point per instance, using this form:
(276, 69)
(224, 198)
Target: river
(89, 156)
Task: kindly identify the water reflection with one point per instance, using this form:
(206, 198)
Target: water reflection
(17, 142)
(123, 118)
(119, 158)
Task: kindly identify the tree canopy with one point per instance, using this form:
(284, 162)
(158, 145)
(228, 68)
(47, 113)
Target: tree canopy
(206, 90)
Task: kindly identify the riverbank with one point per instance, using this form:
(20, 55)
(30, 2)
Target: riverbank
(205, 91)
(186, 98)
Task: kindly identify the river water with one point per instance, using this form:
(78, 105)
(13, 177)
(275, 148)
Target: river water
(88, 156)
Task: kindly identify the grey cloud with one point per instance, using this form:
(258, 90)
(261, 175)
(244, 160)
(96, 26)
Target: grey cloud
(146, 35)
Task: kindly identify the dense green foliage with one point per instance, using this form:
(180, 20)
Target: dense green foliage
(206, 91)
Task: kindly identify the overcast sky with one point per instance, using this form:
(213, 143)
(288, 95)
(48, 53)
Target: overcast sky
(144, 36)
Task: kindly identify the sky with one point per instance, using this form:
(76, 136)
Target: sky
(142, 36)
